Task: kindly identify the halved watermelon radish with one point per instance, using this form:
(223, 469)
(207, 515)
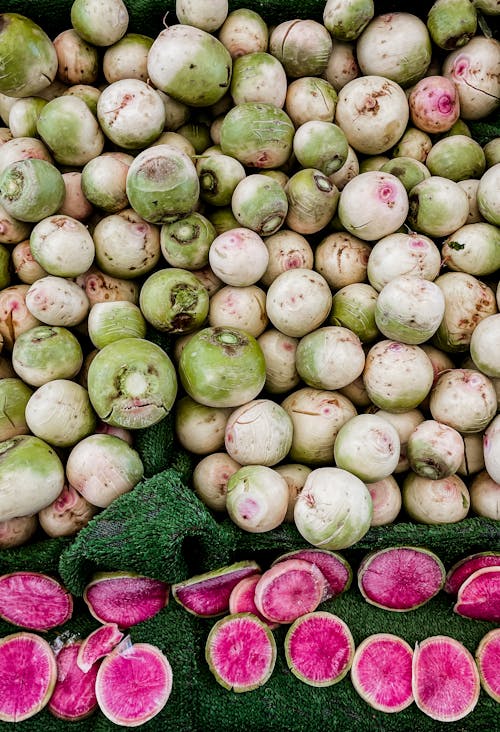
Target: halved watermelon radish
(28, 674)
(400, 578)
(125, 598)
(381, 672)
(445, 679)
(488, 663)
(461, 570)
(207, 594)
(242, 599)
(479, 596)
(134, 684)
(34, 600)
(74, 693)
(97, 645)
(319, 648)
(288, 590)
(336, 570)
(241, 652)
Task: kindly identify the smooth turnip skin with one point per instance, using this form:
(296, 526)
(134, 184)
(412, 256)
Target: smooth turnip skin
(57, 301)
(452, 23)
(456, 157)
(44, 353)
(207, 14)
(210, 477)
(244, 31)
(404, 423)
(70, 131)
(302, 46)
(258, 433)
(60, 413)
(435, 450)
(473, 461)
(257, 498)
(485, 496)
(103, 181)
(485, 346)
(399, 254)
(17, 531)
(408, 170)
(434, 104)
(126, 245)
(342, 259)
(437, 207)
(279, 353)
(258, 77)
(474, 249)
(373, 112)
(259, 203)
(330, 357)
(99, 23)
(21, 148)
(219, 175)
(109, 321)
(101, 287)
(190, 65)
(239, 307)
(31, 189)
(320, 145)
(88, 94)
(463, 399)
(186, 243)
(65, 516)
(443, 501)
(14, 396)
(200, 429)
(29, 59)
(367, 446)
(349, 170)
(475, 70)
(488, 198)
(342, 65)
(62, 245)
(238, 256)
(173, 300)
(287, 250)
(295, 475)
(15, 314)
(127, 58)
(345, 21)
(23, 116)
(298, 301)
(312, 201)
(353, 307)
(386, 501)
(131, 113)
(78, 61)
(414, 143)
(75, 203)
(310, 98)
(385, 205)
(491, 444)
(470, 186)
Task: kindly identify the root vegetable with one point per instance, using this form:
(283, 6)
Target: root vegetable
(65, 516)
(210, 478)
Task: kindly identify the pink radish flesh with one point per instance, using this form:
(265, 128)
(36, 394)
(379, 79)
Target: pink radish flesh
(381, 672)
(97, 645)
(463, 569)
(240, 652)
(34, 600)
(288, 590)
(479, 596)
(125, 600)
(207, 595)
(74, 693)
(132, 687)
(335, 568)
(28, 674)
(242, 599)
(488, 662)
(400, 578)
(445, 679)
(319, 648)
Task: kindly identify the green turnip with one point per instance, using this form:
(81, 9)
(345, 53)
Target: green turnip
(219, 175)
(110, 321)
(354, 307)
(259, 203)
(367, 446)
(330, 357)
(456, 157)
(346, 20)
(103, 181)
(70, 130)
(473, 248)
(452, 23)
(438, 206)
(29, 59)
(312, 201)
(23, 116)
(100, 23)
(258, 77)
(302, 46)
(46, 352)
(488, 200)
(14, 396)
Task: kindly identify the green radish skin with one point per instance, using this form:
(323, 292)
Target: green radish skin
(28, 673)
(400, 578)
(335, 568)
(125, 598)
(242, 599)
(461, 570)
(207, 595)
(134, 684)
(241, 652)
(319, 648)
(288, 590)
(479, 596)
(445, 679)
(74, 696)
(97, 645)
(488, 663)
(381, 672)
(34, 600)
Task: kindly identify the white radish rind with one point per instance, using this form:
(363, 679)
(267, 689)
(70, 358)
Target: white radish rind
(74, 696)
(445, 679)
(400, 578)
(125, 598)
(461, 570)
(97, 645)
(207, 594)
(381, 672)
(335, 568)
(241, 652)
(488, 663)
(34, 600)
(319, 648)
(479, 596)
(288, 590)
(133, 686)
(28, 671)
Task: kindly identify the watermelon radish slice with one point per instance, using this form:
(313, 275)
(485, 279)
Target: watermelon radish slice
(400, 578)
(97, 645)
(463, 569)
(34, 600)
(125, 598)
(28, 674)
(488, 663)
(134, 684)
(381, 672)
(242, 599)
(74, 693)
(207, 595)
(241, 652)
(288, 590)
(319, 648)
(479, 596)
(445, 679)
(336, 570)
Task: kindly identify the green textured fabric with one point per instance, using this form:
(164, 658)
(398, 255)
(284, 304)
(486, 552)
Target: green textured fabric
(162, 530)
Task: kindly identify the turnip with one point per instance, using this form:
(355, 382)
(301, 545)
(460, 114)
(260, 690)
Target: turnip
(31, 189)
(295, 475)
(373, 162)
(23, 116)
(349, 170)
(15, 314)
(78, 61)
(491, 441)
(452, 23)
(29, 59)
(56, 301)
(200, 429)
(386, 501)
(310, 98)
(60, 413)
(17, 531)
(485, 345)
(259, 203)
(346, 20)
(244, 31)
(334, 508)
(373, 113)
(367, 446)
(298, 292)
(126, 246)
(342, 259)
(238, 256)
(127, 58)
(435, 501)
(101, 287)
(279, 354)
(239, 307)
(396, 46)
(385, 205)
(287, 250)
(401, 254)
(414, 143)
(26, 268)
(75, 203)
(207, 15)
(464, 399)
(408, 170)
(320, 145)
(258, 77)
(312, 201)
(257, 498)
(438, 206)
(492, 152)
(434, 104)
(175, 139)
(70, 130)
(258, 433)
(14, 396)
(456, 157)
(65, 516)
(435, 450)
(103, 182)
(488, 200)
(62, 245)
(131, 114)
(173, 300)
(210, 477)
(405, 423)
(87, 93)
(329, 357)
(12, 231)
(190, 65)
(485, 496)
(5, 133)
(44, 353)
(302, 46)
(219, 176)
(473, 461)
(110, 321)
(22, 148)
(474, 249)
(474, 69)
(100, 23)
(186, 243)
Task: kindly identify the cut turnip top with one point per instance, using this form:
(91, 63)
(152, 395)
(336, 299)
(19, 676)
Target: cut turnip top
(207, 594)
(479, 596)
(461, 570)
(289, 589)
(336, 570)
(34, 600)
(125, 598)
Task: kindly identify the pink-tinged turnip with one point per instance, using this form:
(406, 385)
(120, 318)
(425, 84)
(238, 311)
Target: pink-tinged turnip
(435, 501)
(210, 477)
(385, 205)
(475, 70)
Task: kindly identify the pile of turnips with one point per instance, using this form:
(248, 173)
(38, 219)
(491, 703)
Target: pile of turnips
(302, 209)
